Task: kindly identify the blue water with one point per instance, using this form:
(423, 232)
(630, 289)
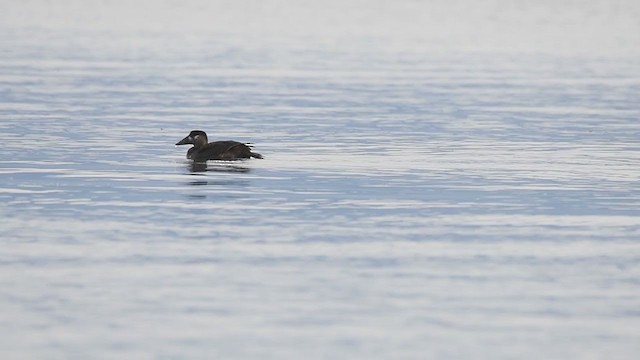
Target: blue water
(411, 204)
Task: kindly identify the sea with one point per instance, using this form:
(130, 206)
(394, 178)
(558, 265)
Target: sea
(441, 180)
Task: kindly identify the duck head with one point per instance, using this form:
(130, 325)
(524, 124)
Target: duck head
(196, 137)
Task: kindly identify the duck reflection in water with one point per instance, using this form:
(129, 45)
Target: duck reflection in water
(200, 170)
(202, 166)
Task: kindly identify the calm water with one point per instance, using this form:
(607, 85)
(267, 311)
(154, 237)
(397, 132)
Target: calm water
(410, 204)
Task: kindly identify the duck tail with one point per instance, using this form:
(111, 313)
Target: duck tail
(256, 155)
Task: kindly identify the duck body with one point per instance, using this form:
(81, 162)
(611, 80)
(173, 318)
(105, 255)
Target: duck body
(204, 150)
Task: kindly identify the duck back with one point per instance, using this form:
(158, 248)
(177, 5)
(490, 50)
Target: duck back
(222, 150)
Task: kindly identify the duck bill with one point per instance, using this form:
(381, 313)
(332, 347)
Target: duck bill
(185, 141)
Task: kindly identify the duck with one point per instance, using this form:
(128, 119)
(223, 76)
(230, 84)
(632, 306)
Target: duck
(204, 150)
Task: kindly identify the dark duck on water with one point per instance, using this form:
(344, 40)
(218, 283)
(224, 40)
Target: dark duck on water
(204, 150)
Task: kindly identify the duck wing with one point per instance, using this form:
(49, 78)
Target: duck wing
(224, 150)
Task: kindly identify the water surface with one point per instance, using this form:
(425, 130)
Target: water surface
(410, 204)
